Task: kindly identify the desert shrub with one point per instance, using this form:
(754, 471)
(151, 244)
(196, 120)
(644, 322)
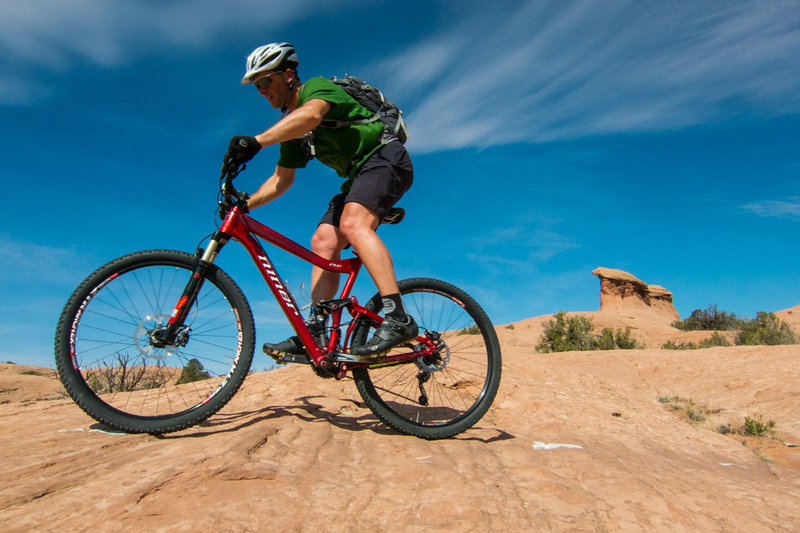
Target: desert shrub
(716, 339)
(625, 340)
(768, 329)
(94, 383)
(752, 428)
(126, 374)
(670, 345)
(573, 333)
(193, 371)
(710, 319)
(695, 413)
(606, 340)
(757, 428)
(563, 334)
(471, 330)
(686, 407)
(610, 339)
(702, 415)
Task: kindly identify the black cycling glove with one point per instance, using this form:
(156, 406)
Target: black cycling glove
(242, 148)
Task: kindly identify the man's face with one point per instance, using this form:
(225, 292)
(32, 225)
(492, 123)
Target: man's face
(272, 87)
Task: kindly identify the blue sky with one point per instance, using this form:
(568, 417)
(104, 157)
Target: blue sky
(549, 138)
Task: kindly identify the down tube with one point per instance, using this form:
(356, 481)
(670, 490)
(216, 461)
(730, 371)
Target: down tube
(282, 294)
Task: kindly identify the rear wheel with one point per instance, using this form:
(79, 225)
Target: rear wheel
(111, 361)
(439, 395)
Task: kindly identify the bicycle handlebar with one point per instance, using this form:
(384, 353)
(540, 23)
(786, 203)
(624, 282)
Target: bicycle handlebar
(231, 196)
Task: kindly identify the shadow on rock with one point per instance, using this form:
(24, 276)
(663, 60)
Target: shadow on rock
(307, 410)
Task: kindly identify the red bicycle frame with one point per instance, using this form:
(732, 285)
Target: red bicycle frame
(243, 228)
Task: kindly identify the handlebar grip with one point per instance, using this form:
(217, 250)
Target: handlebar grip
(230, 167)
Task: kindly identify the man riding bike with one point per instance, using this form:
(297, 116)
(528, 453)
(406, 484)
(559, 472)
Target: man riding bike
(378, 172)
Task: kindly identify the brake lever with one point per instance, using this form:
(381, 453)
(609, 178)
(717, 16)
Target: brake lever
(231, 169)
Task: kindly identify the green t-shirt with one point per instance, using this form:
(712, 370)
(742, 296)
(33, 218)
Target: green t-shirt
(343, 149)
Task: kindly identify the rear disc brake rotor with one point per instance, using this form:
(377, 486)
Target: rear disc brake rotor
(437, 361)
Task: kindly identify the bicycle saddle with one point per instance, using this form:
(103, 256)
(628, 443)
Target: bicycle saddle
(394, 216)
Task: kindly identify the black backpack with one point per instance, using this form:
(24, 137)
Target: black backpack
(373, 101)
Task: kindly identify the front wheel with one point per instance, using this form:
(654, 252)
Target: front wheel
(114, 365)
(444, 393)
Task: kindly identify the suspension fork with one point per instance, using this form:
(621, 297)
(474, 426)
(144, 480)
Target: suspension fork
(204, 259)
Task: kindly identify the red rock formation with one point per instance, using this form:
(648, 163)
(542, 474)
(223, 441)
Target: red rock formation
(621, 289)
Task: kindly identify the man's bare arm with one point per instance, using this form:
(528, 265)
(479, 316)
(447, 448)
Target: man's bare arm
(296, 124)
(275, 186)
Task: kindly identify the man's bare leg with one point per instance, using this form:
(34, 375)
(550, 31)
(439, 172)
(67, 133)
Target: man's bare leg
(327, 242)
(358, 224)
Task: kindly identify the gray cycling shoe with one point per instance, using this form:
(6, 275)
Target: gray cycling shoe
(291, 346)
(391, 333)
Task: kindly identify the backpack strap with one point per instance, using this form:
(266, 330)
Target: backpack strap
(342, 123)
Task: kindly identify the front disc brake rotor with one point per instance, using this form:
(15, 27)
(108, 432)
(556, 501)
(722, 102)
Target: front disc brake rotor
(143, 341)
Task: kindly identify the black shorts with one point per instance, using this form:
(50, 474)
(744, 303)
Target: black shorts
(379, 184)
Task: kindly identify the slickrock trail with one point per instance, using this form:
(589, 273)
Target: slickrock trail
(292, 452)
(574, 441)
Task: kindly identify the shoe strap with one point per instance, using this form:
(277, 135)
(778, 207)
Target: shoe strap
(394, 325)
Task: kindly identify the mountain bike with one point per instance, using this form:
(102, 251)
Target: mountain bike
(157, 341)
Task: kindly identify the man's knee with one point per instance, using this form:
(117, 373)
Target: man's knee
(357, 220)
(326, 241)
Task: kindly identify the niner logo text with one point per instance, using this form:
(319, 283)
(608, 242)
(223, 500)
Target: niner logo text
(276, 281)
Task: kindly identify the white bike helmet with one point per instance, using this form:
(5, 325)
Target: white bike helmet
(270, 57)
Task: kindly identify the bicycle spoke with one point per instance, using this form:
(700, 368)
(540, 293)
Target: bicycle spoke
(448, 389)
(119, 362)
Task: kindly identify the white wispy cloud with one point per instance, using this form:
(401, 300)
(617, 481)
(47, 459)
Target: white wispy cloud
(789, 208)
(515, 71)
(53, 37)
(522, 246)
(25, 264)
(561, 70)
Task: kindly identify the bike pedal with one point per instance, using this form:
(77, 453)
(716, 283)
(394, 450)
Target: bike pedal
(299, 359)
(394, 216)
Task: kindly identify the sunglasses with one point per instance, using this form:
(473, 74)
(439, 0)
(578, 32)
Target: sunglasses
(263, 82)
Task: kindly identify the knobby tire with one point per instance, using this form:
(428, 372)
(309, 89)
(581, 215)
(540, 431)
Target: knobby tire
(441, 396)
(111, 370)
